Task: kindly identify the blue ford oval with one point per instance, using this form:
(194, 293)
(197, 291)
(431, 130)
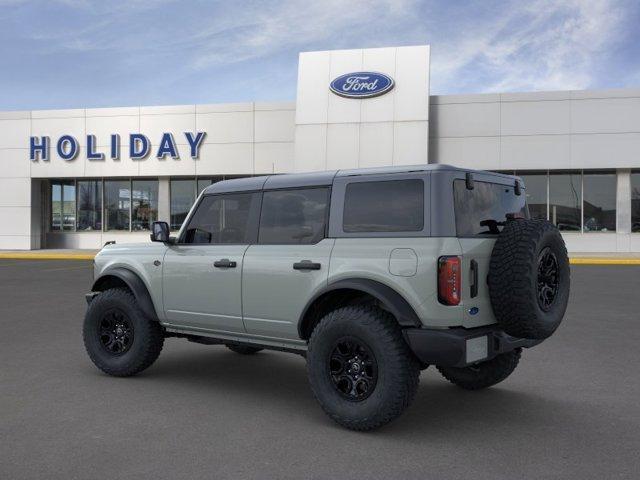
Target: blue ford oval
(361, 84)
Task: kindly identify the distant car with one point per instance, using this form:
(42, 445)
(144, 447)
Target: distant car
(371, 274)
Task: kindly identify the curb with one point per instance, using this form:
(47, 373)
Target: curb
(47, 256)
(604, 261)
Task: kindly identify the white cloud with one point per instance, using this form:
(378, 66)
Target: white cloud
(537, 45)
(547, 45)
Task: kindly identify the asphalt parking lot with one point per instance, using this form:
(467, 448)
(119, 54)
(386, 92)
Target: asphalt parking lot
(571, 410)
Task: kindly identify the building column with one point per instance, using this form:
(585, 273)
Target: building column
(164, 202)
(623, 201)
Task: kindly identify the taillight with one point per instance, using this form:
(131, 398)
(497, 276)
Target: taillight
(449, 280)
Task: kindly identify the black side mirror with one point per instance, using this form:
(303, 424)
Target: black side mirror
(160, 232)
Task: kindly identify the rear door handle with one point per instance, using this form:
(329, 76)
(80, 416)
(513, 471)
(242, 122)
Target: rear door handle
(306, 265)
(224, 263)
(474, 278)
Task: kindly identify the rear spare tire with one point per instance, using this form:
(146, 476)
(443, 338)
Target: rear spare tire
(529, 278)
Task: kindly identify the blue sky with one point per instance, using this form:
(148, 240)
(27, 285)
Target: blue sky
(82, 53)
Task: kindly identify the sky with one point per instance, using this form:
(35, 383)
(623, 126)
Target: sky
(83, 53)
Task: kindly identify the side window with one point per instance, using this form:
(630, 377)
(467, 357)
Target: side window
(483, 210)
(229, 218)
(297, 216)
(385, 206)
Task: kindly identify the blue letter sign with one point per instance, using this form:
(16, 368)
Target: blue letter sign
(194, 142)
(67, 147)
(34, 148)
(167, 147)
(138, 146)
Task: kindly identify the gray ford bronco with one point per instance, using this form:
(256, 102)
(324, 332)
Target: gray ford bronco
(371, 274)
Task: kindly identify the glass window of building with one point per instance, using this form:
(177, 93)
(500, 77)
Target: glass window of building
(117, 204)
(294, 216)
(203, 183)
(182, 197)
(68, 206)
(230, 218)
(565, 200)
(635, 202)
(536, 191)
(599, 204)
(56, 206)
(144, 204)
(63, 205)
(386, 206)
(89, 205)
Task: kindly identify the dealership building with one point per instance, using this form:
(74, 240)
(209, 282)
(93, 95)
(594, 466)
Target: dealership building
(81, 177)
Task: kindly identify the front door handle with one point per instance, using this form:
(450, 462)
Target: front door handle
(224, 263)
(306, 265)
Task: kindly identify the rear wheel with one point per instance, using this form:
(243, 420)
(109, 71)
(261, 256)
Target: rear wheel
(485, 374)
(118, 337)
(243, 349)
(360, 368)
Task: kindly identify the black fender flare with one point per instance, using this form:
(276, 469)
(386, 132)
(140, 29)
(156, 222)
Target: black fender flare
(135, 284)
(395, 303)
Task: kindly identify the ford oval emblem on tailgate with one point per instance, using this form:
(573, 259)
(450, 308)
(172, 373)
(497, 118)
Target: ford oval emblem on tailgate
(361, 84)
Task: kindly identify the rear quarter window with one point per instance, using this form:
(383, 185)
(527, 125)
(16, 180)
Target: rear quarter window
(484, 210)
(384, 206)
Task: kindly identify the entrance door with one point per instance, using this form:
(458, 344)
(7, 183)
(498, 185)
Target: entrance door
(289, 263)
(202, 273)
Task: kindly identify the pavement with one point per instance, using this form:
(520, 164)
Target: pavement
(569, 411)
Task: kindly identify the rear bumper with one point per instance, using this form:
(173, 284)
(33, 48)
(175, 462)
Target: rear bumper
(459, 347)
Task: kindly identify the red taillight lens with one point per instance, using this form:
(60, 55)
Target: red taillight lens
(449, 280)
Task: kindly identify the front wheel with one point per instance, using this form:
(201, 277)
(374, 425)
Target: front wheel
(484, 374)
(360, 368)
(118, 337)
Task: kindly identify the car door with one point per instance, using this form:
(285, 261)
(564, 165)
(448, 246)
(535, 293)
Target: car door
(202, 272)
(289, 263)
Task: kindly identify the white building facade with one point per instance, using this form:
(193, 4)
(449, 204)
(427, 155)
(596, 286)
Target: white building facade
(79, 178)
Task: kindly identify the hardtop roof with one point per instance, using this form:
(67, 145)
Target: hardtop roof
(323, 178)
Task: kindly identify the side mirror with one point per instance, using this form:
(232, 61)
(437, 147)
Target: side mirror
(160, 232)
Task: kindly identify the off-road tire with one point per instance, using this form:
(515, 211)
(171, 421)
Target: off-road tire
(148, 336)
(243, 349)
(398, 371)
(485, 374)
(514, 278)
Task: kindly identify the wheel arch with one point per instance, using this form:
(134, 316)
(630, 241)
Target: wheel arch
(348, 290)
(123, 277)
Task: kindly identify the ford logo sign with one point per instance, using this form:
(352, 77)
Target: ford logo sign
(361, 84)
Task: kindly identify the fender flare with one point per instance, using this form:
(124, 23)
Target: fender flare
(135, 284)
(395, 303)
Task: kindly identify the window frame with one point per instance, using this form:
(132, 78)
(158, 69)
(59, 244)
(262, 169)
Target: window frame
(254, 220)
(327, 216)
(336, 211)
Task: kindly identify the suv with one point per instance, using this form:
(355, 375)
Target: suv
(371, 274)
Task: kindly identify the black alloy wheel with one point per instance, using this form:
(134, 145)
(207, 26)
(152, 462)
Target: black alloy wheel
(353, 369)
(548, 281)
(116, 332)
